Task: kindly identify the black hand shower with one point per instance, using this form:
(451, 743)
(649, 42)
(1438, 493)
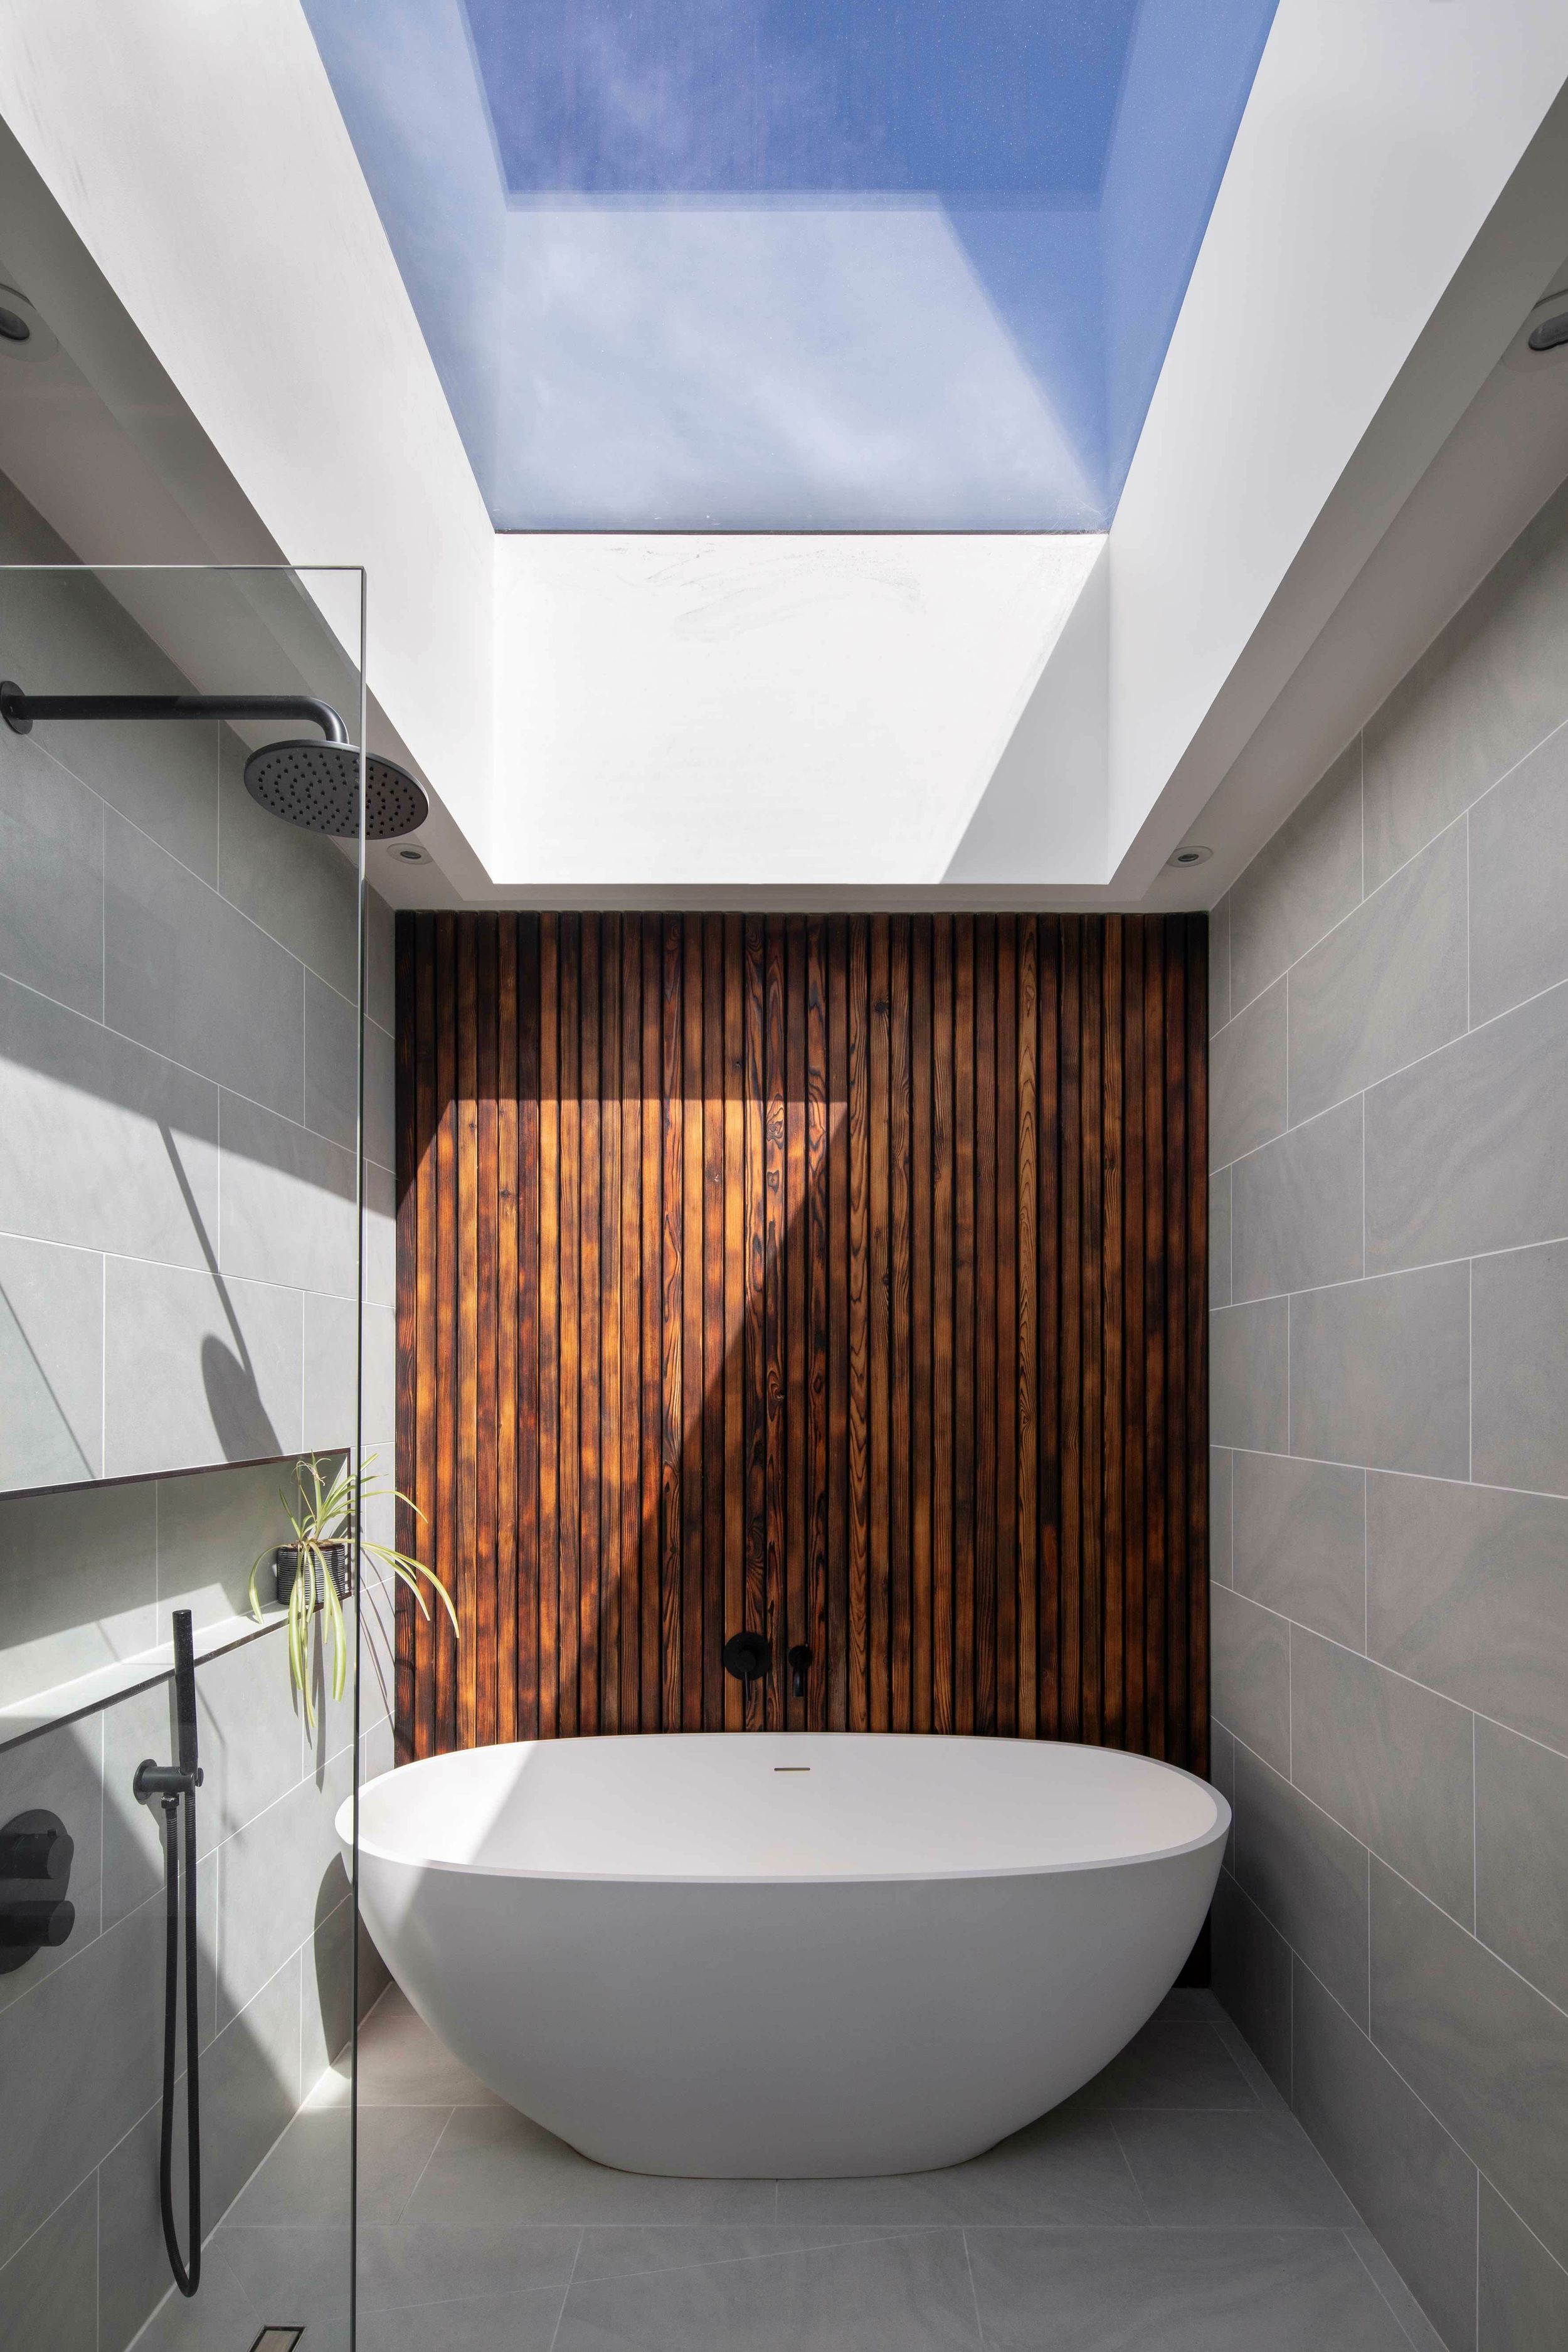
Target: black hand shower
(175, 1785)
(309, 783)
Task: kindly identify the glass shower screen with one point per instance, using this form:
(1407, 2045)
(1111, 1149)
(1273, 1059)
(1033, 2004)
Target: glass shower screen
(196, 1373)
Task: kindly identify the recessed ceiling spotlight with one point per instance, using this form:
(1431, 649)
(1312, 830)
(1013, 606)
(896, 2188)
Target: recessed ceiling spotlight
(23, 335)
(1191, 853)
(410, 852)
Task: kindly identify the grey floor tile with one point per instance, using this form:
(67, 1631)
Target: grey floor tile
(222, 2318)
(609, 2251)
(429, 2262)
(1068, 2166)
(494, 2166)
(1423, 2335)
(305, 2178)
(1171, 2290)
(1231, 2171)
(1172, 2064)
(403, 2064)
(908, 2293)
(302, 2271)
(522, 2323)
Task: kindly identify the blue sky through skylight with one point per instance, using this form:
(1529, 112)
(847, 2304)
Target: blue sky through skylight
(795, 264)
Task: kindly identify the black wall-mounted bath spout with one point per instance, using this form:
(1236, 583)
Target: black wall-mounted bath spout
(799, 1667)
(749, 1657)
(174, 1786)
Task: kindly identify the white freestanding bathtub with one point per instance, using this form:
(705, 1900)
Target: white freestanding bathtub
(785, 1954)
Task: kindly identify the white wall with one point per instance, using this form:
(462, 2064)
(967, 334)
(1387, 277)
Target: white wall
(755, 711)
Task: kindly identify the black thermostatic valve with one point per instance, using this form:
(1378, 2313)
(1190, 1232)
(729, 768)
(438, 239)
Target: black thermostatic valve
(35, 1853)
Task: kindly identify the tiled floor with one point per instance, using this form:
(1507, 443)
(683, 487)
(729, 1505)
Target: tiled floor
(1175, 2204)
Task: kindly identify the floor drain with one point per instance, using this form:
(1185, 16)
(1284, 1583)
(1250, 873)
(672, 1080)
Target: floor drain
(277, 2339)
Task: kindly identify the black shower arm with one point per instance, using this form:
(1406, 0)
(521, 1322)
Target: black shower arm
(19, 710)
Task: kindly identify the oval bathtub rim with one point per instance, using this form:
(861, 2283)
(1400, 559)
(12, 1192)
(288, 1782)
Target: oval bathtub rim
(372, 1849)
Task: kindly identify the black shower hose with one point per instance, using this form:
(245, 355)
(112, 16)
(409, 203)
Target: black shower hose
(187, 2279)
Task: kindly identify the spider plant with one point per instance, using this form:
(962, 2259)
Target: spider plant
(322, 1517)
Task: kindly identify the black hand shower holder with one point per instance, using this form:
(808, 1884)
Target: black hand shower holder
(174, 1786)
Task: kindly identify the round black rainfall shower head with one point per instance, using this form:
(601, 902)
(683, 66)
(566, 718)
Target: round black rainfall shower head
(317, 786)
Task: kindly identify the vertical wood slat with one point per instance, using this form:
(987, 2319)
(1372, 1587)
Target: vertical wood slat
(841, 1276)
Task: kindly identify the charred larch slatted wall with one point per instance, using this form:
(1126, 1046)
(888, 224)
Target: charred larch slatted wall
(843, 1276)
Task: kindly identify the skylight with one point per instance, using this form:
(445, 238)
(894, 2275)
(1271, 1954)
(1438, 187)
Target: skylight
(905, 264)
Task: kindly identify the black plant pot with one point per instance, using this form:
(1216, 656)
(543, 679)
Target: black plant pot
(287, 1561)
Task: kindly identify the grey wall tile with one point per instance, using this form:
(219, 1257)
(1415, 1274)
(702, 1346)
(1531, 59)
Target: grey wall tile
(102, 1144)
(49, 2291)
(1301, 883)
(1246, 1078)
(1307, 1876)
(249, 2090)
(1219, 966)
(1521, 1342)
(1222, 1776)
(1469, 1150)
(1524, 2304)
(1485, 692)
(78, 1581)
(1468, 1590)
(65, 634)
(1296, 1215)
(329, 1375)
(136, 1726)
(1521, 1856)
(1300, 1541)
(252, 1734)
(51, 1364)
(51, 878)
(288, 1203)
(1219, 1238)
(212, 1526)
(380, 1237)
(283, 1869)
(331, 1074)
(381, 958)
(189, 975)
(197, 1368)
(1488, 2055)
(1389, 1762)
(60, 1772)
(298, 886)
(1221, 1474)
(1519, 883)
(1386, 987)
(80, 2056)
(1252, 1976)
(1250, 1367)
(1380, 1372)
(1405, 2175)
(1249, 1652)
